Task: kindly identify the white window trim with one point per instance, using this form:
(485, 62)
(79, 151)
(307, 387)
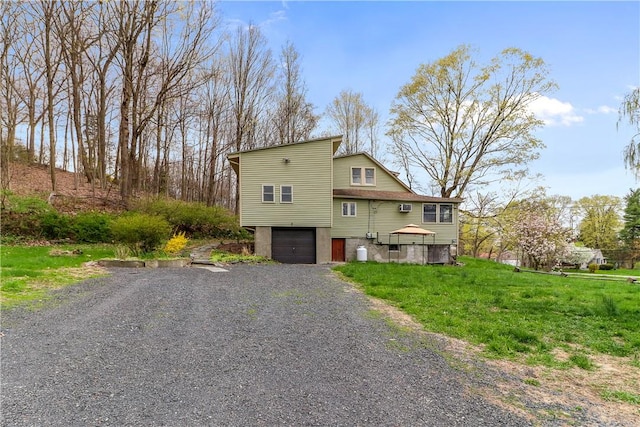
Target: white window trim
(348, 215)
(282, 193)
(437, 212)
(274, 193)
(363, 176)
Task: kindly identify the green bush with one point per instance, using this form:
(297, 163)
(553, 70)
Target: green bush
(55, 226)
(593, 267)
(606, 266)
(92, 227)
(197, 220)
(142, 233)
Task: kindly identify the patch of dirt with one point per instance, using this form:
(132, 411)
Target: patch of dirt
(73, 192)
(542, 394)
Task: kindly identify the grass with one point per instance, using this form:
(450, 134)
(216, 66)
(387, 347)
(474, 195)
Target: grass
(227, 257)
(29, 272)
(517, 316)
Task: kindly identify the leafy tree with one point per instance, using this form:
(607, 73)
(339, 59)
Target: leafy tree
(466, 124)
(630, 111)
(630, 233)
(600, 221)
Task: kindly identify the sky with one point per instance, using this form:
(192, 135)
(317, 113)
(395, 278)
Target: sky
(592, 50)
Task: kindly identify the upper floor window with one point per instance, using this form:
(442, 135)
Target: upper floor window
(286, 194)
(363, 176)
(348, 208)
(268, 193)
(432, 212)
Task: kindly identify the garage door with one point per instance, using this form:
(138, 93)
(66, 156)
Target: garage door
(294, 245)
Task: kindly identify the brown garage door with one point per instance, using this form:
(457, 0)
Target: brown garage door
(294, 245)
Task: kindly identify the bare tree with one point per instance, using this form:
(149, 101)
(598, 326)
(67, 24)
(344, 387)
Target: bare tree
(355, 120)
(293, 119)
(250, 71)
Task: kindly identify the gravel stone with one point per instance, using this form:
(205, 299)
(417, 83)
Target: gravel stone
(259, 345)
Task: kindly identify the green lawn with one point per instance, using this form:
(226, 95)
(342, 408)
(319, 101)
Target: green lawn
(513, 315)
(29, 272)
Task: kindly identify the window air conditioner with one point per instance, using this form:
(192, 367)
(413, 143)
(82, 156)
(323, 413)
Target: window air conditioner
(405, 207)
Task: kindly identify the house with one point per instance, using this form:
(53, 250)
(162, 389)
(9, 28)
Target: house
(306, 205)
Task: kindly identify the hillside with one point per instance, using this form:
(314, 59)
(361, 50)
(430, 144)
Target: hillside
(73, 192)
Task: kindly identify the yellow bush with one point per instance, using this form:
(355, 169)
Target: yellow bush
(176, 244)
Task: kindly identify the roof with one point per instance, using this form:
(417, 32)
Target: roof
(337, 140)
(389, 195)
(413, 229)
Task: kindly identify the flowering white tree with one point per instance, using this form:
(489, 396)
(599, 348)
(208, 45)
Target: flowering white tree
(542, 238)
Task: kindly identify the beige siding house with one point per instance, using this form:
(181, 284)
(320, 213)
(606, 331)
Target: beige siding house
(306, 205)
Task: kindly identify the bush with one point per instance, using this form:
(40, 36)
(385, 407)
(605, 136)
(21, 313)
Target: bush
(176, 244)
(593, 267)
(197, 220)
(92, 227)
(606, 266)
(56, 226)
(142, 233)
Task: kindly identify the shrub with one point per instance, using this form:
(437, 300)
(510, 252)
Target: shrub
(176, 244)
(593, 267)
(92, 227)
(140, 232)
(606, 266)
(195, 219)
(56, 226)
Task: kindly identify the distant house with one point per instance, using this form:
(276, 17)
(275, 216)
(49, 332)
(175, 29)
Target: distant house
(598, 258)
(305, 205)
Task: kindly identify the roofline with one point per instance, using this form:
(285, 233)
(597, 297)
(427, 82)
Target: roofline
(336, 139)
(418, 198)
(380, 165)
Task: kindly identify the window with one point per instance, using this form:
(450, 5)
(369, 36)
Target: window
(441, 213)
(348, 208)
(369, 176)
(357, 176)
(429, 212)
(286, 194)
(446, 213)
(268, 195)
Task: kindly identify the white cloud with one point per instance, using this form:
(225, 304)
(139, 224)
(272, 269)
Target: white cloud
(555, 112)
(603, 109)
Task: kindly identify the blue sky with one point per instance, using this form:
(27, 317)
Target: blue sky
(591, 48)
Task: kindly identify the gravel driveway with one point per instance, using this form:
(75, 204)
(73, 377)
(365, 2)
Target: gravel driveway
(259, 345)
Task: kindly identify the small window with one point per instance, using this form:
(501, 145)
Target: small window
(428, 212)
(446, 213)
(369, 176)
(394, 247)
(356, 176)
(286, 194)
(268, 195)
(348, 208)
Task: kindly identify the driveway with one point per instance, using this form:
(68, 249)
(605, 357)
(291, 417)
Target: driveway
(259, 345)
